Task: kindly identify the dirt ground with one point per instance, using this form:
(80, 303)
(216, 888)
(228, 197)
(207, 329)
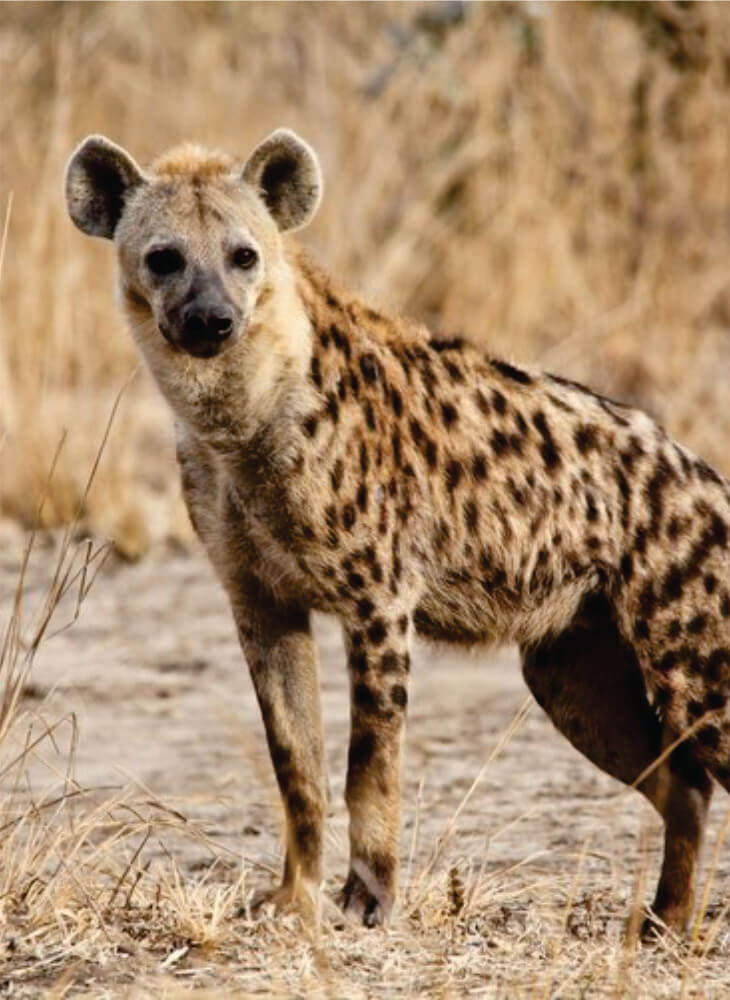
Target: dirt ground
(153, 673)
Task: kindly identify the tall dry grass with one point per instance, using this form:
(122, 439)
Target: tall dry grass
(551, 179)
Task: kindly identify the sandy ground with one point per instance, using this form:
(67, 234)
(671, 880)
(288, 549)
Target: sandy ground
(155, 678)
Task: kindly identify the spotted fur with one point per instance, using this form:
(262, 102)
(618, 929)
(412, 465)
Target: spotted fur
(337, 459)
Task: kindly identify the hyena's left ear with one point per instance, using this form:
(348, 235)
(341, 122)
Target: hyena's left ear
(99, 177)
(286, 172)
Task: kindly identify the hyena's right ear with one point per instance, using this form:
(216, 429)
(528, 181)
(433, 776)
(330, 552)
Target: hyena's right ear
(99, 176)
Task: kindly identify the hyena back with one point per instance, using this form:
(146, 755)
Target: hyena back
(337, 459)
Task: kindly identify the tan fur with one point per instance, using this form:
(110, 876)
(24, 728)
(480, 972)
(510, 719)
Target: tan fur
(338, 459)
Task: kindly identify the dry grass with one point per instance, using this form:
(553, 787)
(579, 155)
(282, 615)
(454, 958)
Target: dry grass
(551, 179)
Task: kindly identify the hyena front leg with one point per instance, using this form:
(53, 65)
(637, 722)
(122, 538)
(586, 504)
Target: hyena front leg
(281, 655)
(379, 664)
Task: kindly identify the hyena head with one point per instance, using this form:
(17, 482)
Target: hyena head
(198, 237)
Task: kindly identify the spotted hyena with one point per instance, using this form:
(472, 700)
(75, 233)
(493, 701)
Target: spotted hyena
(338, 459)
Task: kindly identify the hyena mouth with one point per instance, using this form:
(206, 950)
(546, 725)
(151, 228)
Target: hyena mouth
(202, 348)
(197, 347)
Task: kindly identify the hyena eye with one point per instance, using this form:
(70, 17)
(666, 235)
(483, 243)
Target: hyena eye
(164, 260)
(244, 257)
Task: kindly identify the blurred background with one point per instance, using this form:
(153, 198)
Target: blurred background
(552, 180)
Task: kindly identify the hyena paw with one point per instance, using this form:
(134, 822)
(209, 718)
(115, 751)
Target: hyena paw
(301, 897)
(363, 906)
(304, 898)
(666, 921)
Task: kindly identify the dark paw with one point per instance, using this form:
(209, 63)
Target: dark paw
(360, 905)
(658, 925)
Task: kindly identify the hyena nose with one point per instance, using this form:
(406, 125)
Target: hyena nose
(209, 324)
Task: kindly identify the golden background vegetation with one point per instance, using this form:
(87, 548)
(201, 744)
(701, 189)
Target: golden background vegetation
(551, 180)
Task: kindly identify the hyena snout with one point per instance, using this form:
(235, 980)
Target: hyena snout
(206, 327)
(206, 321)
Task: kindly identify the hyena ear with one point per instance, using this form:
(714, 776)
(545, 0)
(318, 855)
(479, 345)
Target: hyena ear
(286, 172)
(99, 176)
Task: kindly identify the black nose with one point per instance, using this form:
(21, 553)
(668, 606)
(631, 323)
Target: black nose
(208, 324)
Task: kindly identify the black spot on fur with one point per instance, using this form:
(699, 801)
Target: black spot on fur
(641, 628)
(416, 432)
(390, 662)
(452, 344)
(471, 515)
(449, 414)
(362, 751)
(663, 474)
(482, 403)
(715, 700)
(341, 341)
(365, 698)
(397, 453)
(315, 371)
(349, 516)
(370, 415)
(717, 663)
(633, 452)
(403, 624)
(548, 450)
(479, 466)
(710, 583)
(399, 695)
(356, 581)
(362, 497)
(673, 584)
(627, 567)
(453, 474)
(365, 608)
(455, 373)
(499, 402)
(377, 631)
(310, 425)
(396, 401)
(667, 662)
(336, 475)
(499, 443)
(369, 368)
(697, 625)
(709, 736)
(586, 438)
(359, 662)
(509, 371)
(706, 473)
(333, 407)
(647, 600)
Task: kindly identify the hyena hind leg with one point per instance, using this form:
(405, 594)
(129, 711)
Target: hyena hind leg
(589, 682)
